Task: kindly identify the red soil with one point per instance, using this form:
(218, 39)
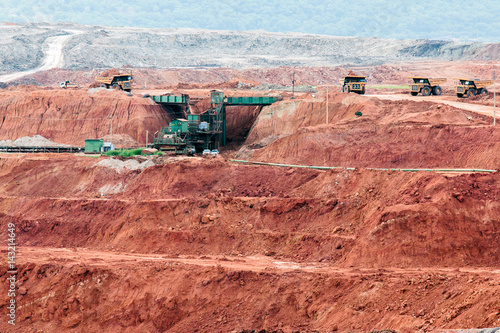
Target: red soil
(389, 134)
(71, 116)
(385, 242)
(389, 74)
(207, 245)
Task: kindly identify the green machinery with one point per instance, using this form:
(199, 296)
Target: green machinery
(93, 146)
(203, 131)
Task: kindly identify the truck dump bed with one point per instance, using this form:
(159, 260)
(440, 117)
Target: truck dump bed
(478, 83)
(428, 80)
(436, 81)
(104, 79)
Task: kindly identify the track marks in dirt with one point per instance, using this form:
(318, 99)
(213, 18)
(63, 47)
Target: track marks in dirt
(243, 263)
(482, 109)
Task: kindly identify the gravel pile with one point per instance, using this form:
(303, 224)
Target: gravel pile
(121, 166)
(111, 189)
(34, 141)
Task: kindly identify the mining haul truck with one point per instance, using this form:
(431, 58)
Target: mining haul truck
(426, 86)
(122, 81)
(467, 88)
(353, 83)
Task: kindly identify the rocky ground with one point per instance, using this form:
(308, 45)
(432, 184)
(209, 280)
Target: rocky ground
(194, 244)
(183, 244)
(90, 47)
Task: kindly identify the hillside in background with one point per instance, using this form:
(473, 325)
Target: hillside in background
(93, 47)
(438, 19)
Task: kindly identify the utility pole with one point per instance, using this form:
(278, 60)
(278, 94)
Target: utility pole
(494, 99)
(111, 129)
(327, 105)
(147, 134)
(293, 86)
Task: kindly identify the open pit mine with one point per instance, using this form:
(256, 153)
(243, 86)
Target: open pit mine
(236, 200)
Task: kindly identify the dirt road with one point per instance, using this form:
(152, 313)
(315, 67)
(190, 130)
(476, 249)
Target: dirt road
(70, 286)
(54, 56)
(486, 110)
(243, 263)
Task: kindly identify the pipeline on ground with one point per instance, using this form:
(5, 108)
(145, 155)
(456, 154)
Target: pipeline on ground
(350, 168)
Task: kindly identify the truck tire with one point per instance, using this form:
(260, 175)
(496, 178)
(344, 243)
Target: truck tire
(471, 92)
(483, 91)
(343, 88)
(116, 86)
(362, 91)
(348, 89)
(437, 90)
(426, 91)
(103, 85)
(414, 93)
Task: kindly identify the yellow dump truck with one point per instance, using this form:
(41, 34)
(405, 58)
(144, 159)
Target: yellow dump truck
(121, 81)
(426, 86)
(353, 83)
(467, 87)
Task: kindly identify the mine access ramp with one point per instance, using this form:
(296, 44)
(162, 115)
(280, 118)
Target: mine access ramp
(191, 133)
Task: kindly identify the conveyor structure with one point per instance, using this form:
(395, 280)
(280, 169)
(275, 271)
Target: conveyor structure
(193, 133)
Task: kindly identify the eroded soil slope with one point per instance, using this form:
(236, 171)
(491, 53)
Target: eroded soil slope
(71, 116)
(389, 134)
(184, 244)
(227, 246)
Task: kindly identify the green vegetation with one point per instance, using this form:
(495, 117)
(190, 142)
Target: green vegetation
(358, 113)
(125, 152)
(129, 152)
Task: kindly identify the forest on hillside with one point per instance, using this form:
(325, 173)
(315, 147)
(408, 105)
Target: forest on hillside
(437, 19)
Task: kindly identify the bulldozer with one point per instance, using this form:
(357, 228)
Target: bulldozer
(466, 87)
(120, 81)
(426, 86)
(353, 83)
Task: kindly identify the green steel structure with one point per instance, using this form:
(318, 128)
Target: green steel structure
(172, 99)
(176, 105)
(93, 146)
(204, 131)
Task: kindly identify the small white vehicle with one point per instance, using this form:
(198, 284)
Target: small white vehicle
(66, 84)
(214, 152)
(206, 151)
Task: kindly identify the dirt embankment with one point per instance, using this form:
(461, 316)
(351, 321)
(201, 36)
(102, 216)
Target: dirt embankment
(378, 77)
(71, 291)
(399, 134)
(330, 243)
(211, 207)
(71, 116)
(202, 243)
